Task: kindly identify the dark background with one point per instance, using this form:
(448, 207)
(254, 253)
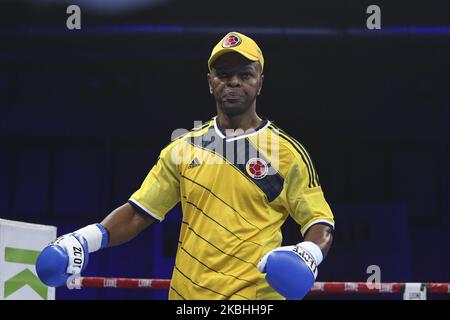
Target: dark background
(84, 114)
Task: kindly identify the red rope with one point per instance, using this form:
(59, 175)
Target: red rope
(320, 288)
(124, 283)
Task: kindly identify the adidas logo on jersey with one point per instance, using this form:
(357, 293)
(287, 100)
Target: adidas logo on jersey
(194, 163)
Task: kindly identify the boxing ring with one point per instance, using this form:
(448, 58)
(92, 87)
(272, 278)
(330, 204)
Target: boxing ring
(409, 290)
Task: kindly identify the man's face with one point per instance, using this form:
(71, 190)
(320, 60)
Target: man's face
(235, 83)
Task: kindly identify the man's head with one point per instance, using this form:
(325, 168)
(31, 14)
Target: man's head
(235, 77)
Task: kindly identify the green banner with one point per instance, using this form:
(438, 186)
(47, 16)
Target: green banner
(21, 255)
(25, 277)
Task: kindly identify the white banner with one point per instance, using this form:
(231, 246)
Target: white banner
(20, 245)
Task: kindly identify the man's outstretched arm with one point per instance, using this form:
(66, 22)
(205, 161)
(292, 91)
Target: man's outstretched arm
(69, 254)
(125, 223)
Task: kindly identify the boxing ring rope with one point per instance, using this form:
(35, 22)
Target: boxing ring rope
(319, 288)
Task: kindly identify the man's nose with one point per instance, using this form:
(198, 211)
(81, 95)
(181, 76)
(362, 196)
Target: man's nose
(234, 80)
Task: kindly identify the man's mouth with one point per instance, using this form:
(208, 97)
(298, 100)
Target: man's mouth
(232, 96)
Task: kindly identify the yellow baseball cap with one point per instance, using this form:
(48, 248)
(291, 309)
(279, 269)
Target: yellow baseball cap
(237, 42)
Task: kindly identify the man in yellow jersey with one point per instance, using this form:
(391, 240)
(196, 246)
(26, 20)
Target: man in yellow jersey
(238, 177)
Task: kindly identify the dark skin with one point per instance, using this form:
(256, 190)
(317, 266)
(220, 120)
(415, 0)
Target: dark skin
(235, 82)
(125, 223)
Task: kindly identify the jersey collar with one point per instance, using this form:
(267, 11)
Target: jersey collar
(221, 132)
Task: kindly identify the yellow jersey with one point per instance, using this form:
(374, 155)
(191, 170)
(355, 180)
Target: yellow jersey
(236, 191)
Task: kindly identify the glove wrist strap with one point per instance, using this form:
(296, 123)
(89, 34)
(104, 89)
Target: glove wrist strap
(313, 249)
(96, 236)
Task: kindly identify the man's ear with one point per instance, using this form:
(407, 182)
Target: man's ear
(209, 77)
(261, 80)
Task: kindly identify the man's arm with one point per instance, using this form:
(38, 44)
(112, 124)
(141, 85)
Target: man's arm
(125, 223)
(321, 235)
(69, 253)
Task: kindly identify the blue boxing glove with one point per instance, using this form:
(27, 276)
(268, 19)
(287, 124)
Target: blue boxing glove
(292, 270)
(69, 254)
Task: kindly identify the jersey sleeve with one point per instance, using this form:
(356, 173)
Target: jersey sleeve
(160, 191)
(304, 197)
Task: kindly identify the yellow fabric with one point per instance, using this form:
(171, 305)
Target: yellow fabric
(230, 218)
